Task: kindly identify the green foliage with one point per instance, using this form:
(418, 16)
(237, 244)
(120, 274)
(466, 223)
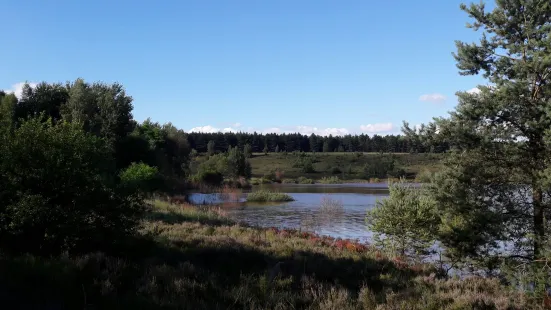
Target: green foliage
(58, 190)
(493, 187)
(336, 170)
(8, 106)
(232, 165)
(210, 148)
(237, 164)
(207, 177)
(305, 164)
(304, 180)
(268, 196)
(248, 150)
(406, 222)
(330, 180)
(140, 177)
(382, 167)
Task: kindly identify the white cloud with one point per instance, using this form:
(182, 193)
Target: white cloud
(17, 88)
(205, 129)
(272, 130)
(236, 125)
(308, 130)
(475, 90)
(436, 98)
(230, 129)
(302, 129)
(375, 128)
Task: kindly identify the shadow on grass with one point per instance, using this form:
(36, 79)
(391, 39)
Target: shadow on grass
(176, 218)
(152, 274)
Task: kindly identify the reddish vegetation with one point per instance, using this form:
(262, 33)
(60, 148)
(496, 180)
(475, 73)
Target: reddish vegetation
(279, 174)
(341, 244)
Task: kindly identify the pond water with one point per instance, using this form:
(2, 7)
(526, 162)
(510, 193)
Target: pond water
(334, 210)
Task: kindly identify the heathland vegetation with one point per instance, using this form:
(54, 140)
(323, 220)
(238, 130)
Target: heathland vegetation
(80, 227)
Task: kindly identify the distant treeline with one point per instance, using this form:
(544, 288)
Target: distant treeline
(313, 143)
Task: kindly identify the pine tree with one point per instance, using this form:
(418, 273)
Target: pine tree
(496, 179)
(248, 150)
(210, 148)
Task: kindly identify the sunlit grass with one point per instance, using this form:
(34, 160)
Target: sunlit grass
(268, 196)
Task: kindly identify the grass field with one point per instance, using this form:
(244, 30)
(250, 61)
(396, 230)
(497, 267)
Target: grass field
(350, 165)
(195, 258)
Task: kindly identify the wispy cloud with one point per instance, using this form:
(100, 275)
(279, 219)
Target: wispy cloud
(435, 98)
(376, 128)
(17, 88)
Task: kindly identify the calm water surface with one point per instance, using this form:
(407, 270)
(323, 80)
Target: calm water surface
(307, 213)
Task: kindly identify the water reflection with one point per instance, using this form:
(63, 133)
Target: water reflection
(309, 211)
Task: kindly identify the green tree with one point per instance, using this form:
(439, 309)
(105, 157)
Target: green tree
(237, 164)
(59, 191)
(326, 146)
(210, 148)
(248, 150)
(495, 184)
(140, 178)
(8, 105)
(406, 222)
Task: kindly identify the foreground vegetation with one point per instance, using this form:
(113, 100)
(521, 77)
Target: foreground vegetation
(190, 258)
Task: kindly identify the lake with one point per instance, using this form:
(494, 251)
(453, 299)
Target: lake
(306, 212)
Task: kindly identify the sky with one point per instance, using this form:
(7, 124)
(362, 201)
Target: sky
(309, 66)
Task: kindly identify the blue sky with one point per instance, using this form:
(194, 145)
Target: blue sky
(280, 65)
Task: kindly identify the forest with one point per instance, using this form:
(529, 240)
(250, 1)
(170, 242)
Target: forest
(264, 143)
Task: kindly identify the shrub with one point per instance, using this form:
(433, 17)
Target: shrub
(424, 176)
(406, 222)
(59, 191)
(139, 177)
(288, 181)
(330, 180)
(336, 170)
(304, 180)
(268, 196)
(305, 163)
(208, 177)
(259, 181)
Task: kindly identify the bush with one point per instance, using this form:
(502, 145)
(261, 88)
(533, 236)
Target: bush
(406, 222)
(305, 163)
(139, 177)
(304, 180)
(336, 170)
(259, 181)
(208, 177)
(59, 191)
(268, 196)
(382, 167)
(330, 180)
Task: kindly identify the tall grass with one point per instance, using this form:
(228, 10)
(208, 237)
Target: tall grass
(330, 180)
(188, 258)
(268, 196)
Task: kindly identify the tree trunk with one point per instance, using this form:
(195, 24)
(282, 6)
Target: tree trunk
(539, 229)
